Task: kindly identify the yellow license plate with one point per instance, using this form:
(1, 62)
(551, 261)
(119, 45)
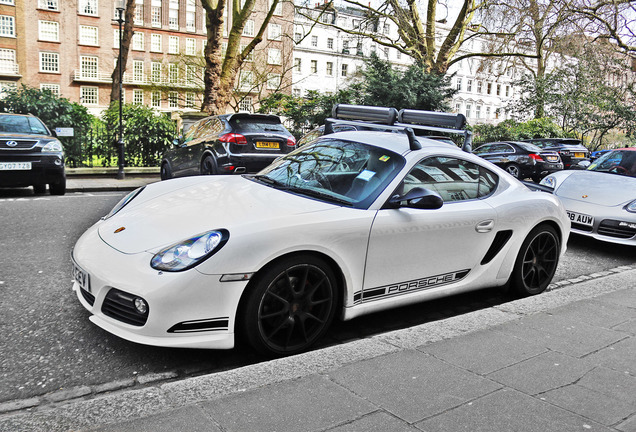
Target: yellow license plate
(579, 155)
(266, 144)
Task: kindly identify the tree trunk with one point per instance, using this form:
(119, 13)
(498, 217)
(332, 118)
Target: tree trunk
(127, 33)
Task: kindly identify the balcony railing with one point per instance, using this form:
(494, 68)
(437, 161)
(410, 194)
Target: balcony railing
(130, 79)
(94, 77)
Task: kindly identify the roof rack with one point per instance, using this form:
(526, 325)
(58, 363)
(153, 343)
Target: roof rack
(405, 121)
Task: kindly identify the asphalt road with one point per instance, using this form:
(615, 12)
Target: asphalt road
(48, 343)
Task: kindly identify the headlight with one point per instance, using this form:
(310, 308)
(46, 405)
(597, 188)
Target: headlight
(124, 201)
(631, 207)
(549, 181)
(188, 253)
(52, 146)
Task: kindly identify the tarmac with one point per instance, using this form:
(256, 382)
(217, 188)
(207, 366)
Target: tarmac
(561, 361)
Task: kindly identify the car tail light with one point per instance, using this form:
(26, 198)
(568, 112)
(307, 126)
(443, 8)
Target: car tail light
(535, 156)
(233, 138)
(291, 141)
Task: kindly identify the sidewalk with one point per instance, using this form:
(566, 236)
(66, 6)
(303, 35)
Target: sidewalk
(561, 361)
(82, 181)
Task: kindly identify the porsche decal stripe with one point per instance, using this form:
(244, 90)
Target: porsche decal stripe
(409, 286)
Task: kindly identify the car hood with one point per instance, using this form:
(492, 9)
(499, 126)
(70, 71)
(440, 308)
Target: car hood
(597, 187)
(176, 210)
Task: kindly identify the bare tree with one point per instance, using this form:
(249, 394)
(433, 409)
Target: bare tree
(611, 19)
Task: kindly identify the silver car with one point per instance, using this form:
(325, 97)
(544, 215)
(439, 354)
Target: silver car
(601, 201)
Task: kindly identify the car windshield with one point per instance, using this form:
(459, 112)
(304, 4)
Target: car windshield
(22, 124)
(622, 162)
(337, 171)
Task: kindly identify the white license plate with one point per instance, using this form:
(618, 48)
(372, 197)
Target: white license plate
(82, 278)
(15, 166)
(580, 218)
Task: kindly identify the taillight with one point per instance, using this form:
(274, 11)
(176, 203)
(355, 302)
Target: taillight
(291, 141)
(535, 156)
(233, 138)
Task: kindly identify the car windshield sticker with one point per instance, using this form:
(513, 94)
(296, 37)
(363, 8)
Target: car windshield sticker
(366, 175)
(385, 158)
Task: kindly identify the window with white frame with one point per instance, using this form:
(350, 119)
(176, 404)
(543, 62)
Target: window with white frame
(138, 97)
(173, 16)
(273, 56)
(53, 88)
(49, 62)
(273, 81)
(298, 36)
(487, 112)
(274, 32)
(138, 70)
(89, 95)
(155, 43)
(246, 80)
(173, 72)
(297, 65)
(479, 86)
(49, 31)
(190, 99)
(88, 7)
(138, 41)
(155, 71)
(191, 18)
(155, 14)
(458, 84)
(314, 41)
(43, 4)
(190, 74)
(469, 112)
(489, 88)
(469, 85)
(155, 99)
(278, 10)
(248, 30)
(245, 105)
(507, 91)
(313, 66)
(173, 99)
(478, 111)
(139, 13)
(296, 92)
(7, 2)
(89, 66)
(386, 29)
(344, 70)
(330, 43)
(173, 45)
(7, 61)
(88, 35)
(190, 46)
(7, 25)
(329, 69)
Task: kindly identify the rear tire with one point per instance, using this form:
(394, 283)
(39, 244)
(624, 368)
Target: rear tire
(536, 262)
(208, 166)
(514, 170)
(290, 306)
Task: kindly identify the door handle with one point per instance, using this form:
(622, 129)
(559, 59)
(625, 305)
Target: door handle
(485, 226)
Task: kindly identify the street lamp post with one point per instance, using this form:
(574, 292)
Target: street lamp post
(120, 144)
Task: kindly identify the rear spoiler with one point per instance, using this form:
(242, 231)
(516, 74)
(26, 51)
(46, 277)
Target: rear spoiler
(406, 121)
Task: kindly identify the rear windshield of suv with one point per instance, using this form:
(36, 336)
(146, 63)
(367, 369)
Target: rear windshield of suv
(22, 124)
(257, 125)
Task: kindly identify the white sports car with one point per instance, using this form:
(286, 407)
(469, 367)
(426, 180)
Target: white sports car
(352, 223)
(601, 201)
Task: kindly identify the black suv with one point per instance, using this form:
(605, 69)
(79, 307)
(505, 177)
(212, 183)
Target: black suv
(228, 144)
(571, 150)
(30, 155)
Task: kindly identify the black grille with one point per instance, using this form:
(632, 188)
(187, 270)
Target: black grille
(121, 306)
(581, 227)
(21, 144)
(618, 229)
(90, 298)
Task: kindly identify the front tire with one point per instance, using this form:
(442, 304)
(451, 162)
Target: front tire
(59, 187)
(166, 172)
(290, 305)
(537, 261)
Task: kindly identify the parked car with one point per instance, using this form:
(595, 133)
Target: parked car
(597, 154)
(520, 159)
(30, 155)
(571, 150)
(352, 223)
(228, 144)
(601, 201)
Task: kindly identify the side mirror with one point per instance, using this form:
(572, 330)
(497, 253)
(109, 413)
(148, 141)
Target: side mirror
(178, 141)
(418, 198)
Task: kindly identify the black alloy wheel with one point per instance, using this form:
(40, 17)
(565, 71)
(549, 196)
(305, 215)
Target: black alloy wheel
(208, 166)
(290, 306)
(59, 187)
(537, 261)
(166, 172)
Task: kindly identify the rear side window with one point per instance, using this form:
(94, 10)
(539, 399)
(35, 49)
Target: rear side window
(256, 125)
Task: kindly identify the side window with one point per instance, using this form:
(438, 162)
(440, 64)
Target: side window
(209, 127)
(483, 149)
(507, 148)
(453, 179)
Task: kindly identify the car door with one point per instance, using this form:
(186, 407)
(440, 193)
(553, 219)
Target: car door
(414, 249)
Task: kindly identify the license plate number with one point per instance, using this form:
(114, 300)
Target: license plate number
(579, 155)
(82, 278)
(582, 219)
(266, 144)
(15, 166)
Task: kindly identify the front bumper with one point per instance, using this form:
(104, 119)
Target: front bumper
(611, 224)
(45, 168)
(185, 309)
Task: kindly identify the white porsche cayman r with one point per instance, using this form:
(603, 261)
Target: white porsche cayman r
(601, 201)
(349, 224)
